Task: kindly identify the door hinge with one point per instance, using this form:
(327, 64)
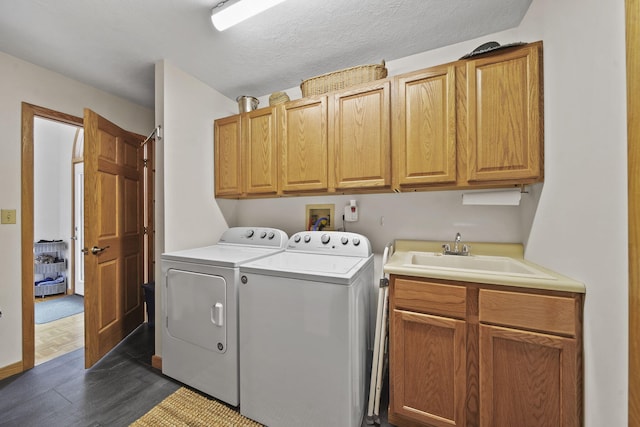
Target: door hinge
(145, 163)
(145, 230)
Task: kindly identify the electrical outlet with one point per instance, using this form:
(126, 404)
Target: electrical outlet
(7, 216)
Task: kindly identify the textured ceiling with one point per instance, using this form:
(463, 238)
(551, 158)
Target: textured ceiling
(114, 44)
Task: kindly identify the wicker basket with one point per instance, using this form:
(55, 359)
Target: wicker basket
(342, 79)
(278, 98)
(54, 288)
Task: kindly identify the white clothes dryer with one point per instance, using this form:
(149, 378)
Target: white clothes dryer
(200, 309)
(303, 332)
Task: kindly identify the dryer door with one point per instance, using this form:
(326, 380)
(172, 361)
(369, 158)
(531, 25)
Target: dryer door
(196, 309)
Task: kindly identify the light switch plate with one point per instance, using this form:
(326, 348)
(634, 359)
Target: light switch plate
(7, 216)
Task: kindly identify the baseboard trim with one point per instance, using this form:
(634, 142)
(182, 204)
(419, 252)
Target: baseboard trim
(10, 370)
(156, 362)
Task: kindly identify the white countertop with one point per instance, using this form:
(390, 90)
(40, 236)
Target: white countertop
(400, 263)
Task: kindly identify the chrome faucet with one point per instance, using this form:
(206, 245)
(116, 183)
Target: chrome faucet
(446, 248)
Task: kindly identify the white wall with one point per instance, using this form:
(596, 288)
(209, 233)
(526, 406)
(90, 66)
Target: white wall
(434, 215)
(22, 81)
(191, 215)
(580, 227)
(53, 144)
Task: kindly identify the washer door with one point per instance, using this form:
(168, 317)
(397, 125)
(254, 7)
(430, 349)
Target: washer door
(196, 309)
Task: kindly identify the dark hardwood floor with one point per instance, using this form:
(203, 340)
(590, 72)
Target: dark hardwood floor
(115, 392)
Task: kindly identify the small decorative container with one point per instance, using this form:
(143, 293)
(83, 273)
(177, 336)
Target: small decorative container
(247, 103)
(278, 98)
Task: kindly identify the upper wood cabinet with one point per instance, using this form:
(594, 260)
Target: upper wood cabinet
(246, 154)
(228, 157)
(424, 127)
(504, 115)
(474, 123)
(303, 143)
(360, 137)
(259, 139)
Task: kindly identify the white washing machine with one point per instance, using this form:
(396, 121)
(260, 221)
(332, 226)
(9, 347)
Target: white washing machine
(303, 332)
(200, 307)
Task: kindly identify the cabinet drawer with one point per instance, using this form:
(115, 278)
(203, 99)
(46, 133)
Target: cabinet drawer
(427, 297)
(546, 313)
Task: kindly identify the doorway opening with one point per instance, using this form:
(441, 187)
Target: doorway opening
(57, 226)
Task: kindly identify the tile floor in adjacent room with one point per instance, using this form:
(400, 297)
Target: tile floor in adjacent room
(59, 337)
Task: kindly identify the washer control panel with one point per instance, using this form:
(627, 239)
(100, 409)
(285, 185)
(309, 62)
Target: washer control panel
(258, 236)
(332, 242)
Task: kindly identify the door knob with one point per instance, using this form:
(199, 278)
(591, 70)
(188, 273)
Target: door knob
(96, 250)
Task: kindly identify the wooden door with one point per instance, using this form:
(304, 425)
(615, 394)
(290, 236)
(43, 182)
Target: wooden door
(428, 369)
(360, 137)
(504, 113)
(303, 142)
(260, 140)
(424, 131)
(114, 209)
(527, 379)
(227, 156)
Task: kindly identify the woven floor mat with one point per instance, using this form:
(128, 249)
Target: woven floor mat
(188, 408)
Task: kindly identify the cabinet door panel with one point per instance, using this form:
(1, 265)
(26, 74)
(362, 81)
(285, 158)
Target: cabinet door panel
(527, 379)
(303, 139)
(505, 116)
(424, 136)
(261, 164)
(428, 368)
(227, 156)
(360, 137)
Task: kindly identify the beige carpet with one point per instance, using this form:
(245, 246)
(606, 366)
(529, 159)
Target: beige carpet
(188, 408)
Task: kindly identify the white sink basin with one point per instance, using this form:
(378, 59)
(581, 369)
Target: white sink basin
(474, 264)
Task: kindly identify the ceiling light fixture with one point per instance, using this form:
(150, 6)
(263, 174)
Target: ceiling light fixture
(223, 18)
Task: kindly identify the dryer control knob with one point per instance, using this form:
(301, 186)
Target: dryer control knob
(356, 241)
(271, 235)
(249, 233)
(344, 240)
(307, 238)
(263, 234)
(325, 239)
(296, 238)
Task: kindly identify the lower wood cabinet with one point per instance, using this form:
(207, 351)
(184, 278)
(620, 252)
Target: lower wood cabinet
(435, 347)
(467, 354)
(527, 378)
